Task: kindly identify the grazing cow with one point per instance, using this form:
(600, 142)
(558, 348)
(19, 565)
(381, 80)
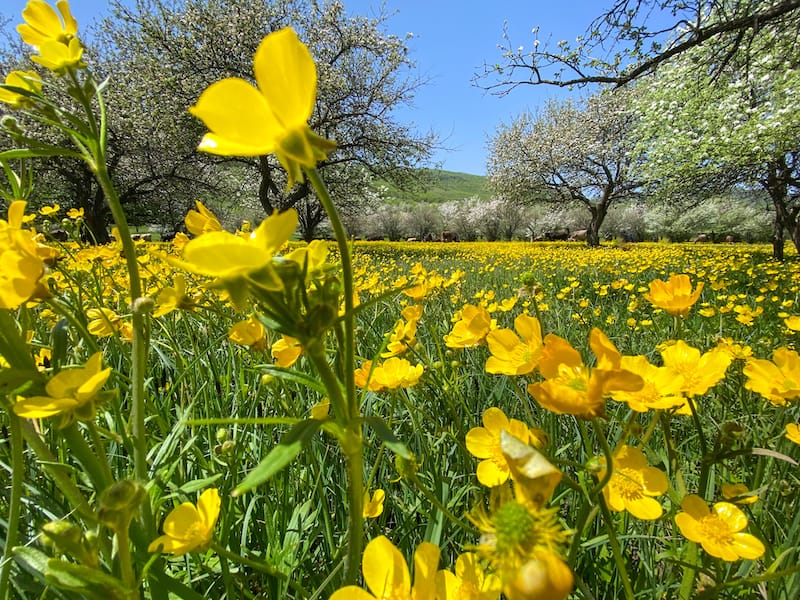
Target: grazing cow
(700, 239)
(412, 239)
(449, 236)
(730, 239)
(578, 236)
(375, 238)
(552, 236)
(142, 237)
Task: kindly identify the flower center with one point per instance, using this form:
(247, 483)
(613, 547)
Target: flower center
(514, 526)
(715, 529)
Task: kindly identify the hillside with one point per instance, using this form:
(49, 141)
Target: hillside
(443, 186)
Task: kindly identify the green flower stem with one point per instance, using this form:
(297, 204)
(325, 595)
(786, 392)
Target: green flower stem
(100, 450)
(101, 478)
(349, 290)
(352, 442)
(125, 563)
(616, 550)
(354, 451)
(58, 472)
(15, 501)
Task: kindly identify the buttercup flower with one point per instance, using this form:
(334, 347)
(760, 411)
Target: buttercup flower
(250, 333)
(738, 493)
(570, 387)
(395, 373)
(700, 372)
(387, 576)
(188, 527)
(201, 221)
(43, 24)
(793, 432)
(173, 297)
(471, 328)
(273, 118)
(468, 582)
(719, 530)
(401, 339)
(662, 388)
(24, 80)
(235, 261)
(544, 577)
(373, 507)
(484, 443)
(633, 484)
(72, 393)
(675, 296)
(286, 351)
(21, 258)
(777, 380)
(512, 355)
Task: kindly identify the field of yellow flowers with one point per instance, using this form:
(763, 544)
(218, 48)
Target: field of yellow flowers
(236, 415)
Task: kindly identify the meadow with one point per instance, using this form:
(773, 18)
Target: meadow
(218, 401)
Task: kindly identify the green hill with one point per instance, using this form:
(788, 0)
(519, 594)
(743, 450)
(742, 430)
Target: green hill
(437, 187)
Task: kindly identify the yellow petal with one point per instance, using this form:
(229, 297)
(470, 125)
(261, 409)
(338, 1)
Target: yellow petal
(166, 543)
(239, 119)
(208, 506)
(40, 407)
(385, 570)
(426, 561)
(182, 521)
(287, 76)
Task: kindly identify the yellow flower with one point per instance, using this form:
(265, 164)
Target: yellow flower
(777, 380)
(718, 530)
(286, 351)
(104, 322)
(21, 259)
(699, 372)
(173, 298)
(235, 261)
(250, 333)
(28, 81)
(387, 576)
(273, 118)
(201, 221)
(75, 213)
(471, 328)
(633, 484)
(570, 387)
(661, 390)
(792, 322)
(49, 211)
(72, 393)
(484, 443)
(738, 493)
(793, 432)
(469, 582)
(43, 24)
(58, 57)
(395, 373)
(401, 339)
(373, 507)
(188, 527)
(311, 257)
(675, 296)
(512, 356)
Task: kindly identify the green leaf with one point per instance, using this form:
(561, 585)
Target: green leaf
(90, 582)
(388, 438)
(36, 559)
(293, 375)
(281, 455)
(38, 153)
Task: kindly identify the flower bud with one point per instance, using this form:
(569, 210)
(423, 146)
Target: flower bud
(119, 503)
(222, 434)
(406, 467)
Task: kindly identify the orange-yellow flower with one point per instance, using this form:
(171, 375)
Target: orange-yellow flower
(394, 373)
(777, 380)
(738, 493)
(188, 527)
(718, 530)
(484, 443)
(247, 121)
(512, 355)
(633, 484)
(570, 387)
(471, 328)
(675, 296)
(43, 24)
(544, 577)
(21, 258)
(387, 576)
(662, 388)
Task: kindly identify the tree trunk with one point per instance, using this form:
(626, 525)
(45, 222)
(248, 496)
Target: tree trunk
(598, 211)
(777, 185)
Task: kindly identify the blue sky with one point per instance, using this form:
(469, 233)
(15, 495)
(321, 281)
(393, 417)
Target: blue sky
(452, 40)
